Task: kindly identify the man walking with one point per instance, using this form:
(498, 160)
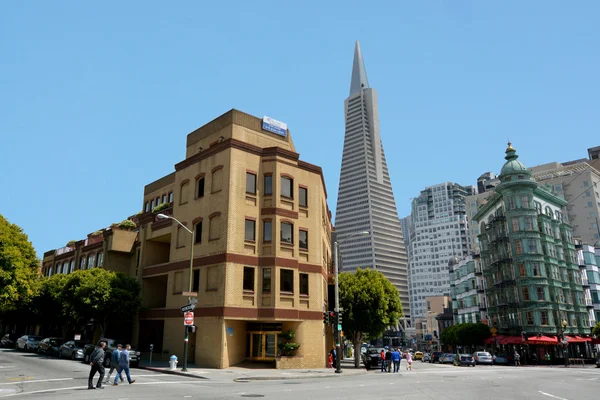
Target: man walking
(96, 361)
(114, 363)
(396, 360)
(388, 357)
(382, 355)
(124, 365)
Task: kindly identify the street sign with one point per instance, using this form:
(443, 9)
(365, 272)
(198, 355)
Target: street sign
(188, 307)
(190, 294)
(339, 327)
(494, 330)
(193, 301)
(188, 318)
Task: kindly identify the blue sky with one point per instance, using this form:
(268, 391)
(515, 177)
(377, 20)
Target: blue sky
(96, 98)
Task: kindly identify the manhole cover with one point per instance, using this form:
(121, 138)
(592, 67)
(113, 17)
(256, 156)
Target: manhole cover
(253, 395)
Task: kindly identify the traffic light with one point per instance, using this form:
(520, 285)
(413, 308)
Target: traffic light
(332, 318)
(326, 318)
(340, 318)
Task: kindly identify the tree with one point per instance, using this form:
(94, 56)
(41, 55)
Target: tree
(371, 304)
(18, 267)
(596, 329)
(465, 334)
(49, 305)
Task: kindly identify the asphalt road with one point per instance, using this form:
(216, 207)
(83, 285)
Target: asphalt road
(29, 376)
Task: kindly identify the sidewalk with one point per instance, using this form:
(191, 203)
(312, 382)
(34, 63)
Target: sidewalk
(253, 372)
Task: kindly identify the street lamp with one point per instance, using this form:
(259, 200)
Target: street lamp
(336, 329)
(191, 231)
(561, 336)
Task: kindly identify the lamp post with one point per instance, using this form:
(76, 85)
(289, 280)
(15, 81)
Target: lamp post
(561, 336)
(191, 231)
(336, 327)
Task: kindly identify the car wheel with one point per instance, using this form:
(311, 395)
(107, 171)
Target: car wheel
(25, 348)
(73, 356)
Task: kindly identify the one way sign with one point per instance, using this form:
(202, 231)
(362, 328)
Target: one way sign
(189, 307)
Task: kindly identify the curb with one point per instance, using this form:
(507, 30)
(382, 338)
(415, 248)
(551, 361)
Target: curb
(171, 372)
(283, 378)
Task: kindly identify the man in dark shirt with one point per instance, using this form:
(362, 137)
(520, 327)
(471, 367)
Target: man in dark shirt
(388, 356)
(96, 361)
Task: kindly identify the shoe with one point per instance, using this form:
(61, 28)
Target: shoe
(99, 387)
(133, 381)
(115, 384)
(91, 388)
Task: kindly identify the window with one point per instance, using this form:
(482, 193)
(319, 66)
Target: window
(170, 197)
(152, 205)
(164, 198)
(518, 247)
(213, 229)
(267, 231)
(198, 232)
(200, 188)
(511, 203)
(217, 180)
(266, 280)
(82, 262)
(184, 192)
(212, 278)
(529, 318)
(287, 233)
(287, 187)
(532, 246)
(544, 317)
(286, 281)
(250, 183)
(180, 236)
(91, 261)
(529, 223)
(522, 270)
(250, 232)
(146, 206)
(268, 185)
(304, 284)
(303, 239)
(538, 207)
(525, 202)
(178, 282)
(50, 271)
(525, 292)
(100, 259)
(196, 281)
(303, 197)
(536, 269)
(541, 296)
(515, 224)
(72, 265)
(65, 267)
(249, 279)
(158, 200)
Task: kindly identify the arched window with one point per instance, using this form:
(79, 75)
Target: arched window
(549, 211)
(217, 179)
(91, 261)
(181, 236)
(100, 259)
(214, 229)
(184, 191)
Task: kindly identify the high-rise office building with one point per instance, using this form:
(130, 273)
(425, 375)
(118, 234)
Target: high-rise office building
(438, 233)
(365, 198)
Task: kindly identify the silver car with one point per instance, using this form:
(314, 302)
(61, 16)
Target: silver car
(483, 357)
(72, 349)
(28, 342)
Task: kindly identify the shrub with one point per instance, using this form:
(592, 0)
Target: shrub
(126, 225)
(71, 243)
(96, 233)
(161, 207)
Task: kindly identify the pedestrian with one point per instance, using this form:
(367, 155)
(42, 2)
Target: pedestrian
(124, 365)
(396, 360)
(333, 357)
(517, 358)
(388, 356)
(534, 359)
(330, 361)
(549, 359)
(409, 361)
(96, 363)
(114, 363)
(382, 355)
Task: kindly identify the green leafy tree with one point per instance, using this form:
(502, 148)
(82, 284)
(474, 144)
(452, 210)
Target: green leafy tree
(448, 335)
(49, 305)
(19, 267)
(371, 304)
(465, 334)
(596, 329)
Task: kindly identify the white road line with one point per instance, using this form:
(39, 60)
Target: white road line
(551, 395)
(45, 391)
(38, 381)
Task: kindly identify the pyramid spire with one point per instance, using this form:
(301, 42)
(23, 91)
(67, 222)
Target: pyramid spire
(359, 73)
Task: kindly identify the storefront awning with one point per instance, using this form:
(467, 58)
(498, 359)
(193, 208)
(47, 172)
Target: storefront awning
(577, 339)
(511, 340)
(595, 340)
(547, 340)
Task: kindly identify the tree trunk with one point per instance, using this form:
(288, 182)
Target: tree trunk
(357, 348)
(102, 325)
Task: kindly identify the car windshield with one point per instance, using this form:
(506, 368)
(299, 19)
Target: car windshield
(54, 342)
(34, 338)
(373, 351)
(483, 354)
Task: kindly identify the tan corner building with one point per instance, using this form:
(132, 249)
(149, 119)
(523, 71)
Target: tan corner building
(261, 249)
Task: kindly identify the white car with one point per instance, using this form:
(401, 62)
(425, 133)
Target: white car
(28, 342)
(483, 357)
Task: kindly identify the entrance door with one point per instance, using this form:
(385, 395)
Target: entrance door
(263, 345)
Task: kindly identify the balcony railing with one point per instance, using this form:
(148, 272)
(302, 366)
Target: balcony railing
(64, 250)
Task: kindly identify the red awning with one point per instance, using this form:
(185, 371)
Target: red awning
(489, 340)
(595, 340)
(549, 340)
(578, 339)
(511, 340)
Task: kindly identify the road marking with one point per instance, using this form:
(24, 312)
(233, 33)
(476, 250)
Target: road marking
(46, 391)
(38, 381)
(551, 395)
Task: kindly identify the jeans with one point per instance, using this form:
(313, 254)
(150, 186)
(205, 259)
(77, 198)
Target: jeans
(96, 368)
(113, 367)
(383, 367)
(396, 365)
(120, 370)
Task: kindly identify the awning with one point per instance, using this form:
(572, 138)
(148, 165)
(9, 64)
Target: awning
(489, 340)
(595, 340)
(547, 340)
(577, 339)
(511, 340)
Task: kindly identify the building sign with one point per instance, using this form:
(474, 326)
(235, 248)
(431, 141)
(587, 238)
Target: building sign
(274, 126)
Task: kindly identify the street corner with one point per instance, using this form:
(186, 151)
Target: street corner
(168, 371)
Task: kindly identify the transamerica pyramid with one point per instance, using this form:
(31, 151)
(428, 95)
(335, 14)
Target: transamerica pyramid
(365, 198)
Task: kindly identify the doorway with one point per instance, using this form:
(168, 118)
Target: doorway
(262, 346)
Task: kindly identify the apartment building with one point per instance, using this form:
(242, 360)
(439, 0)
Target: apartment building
(468, 290)
(261, 248)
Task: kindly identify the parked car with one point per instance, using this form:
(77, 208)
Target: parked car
(372, 358)
(446, 358)
(464, 359)
(9, 340)
(483, 357)
(50, 345)
(435, 356)
(111, 344)
(426, 357)
(500, 359)
(598, 360)
(28, 342)
(418, 355)
(72, 349)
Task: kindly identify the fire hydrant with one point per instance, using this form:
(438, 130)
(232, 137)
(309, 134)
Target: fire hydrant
(173, 362)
